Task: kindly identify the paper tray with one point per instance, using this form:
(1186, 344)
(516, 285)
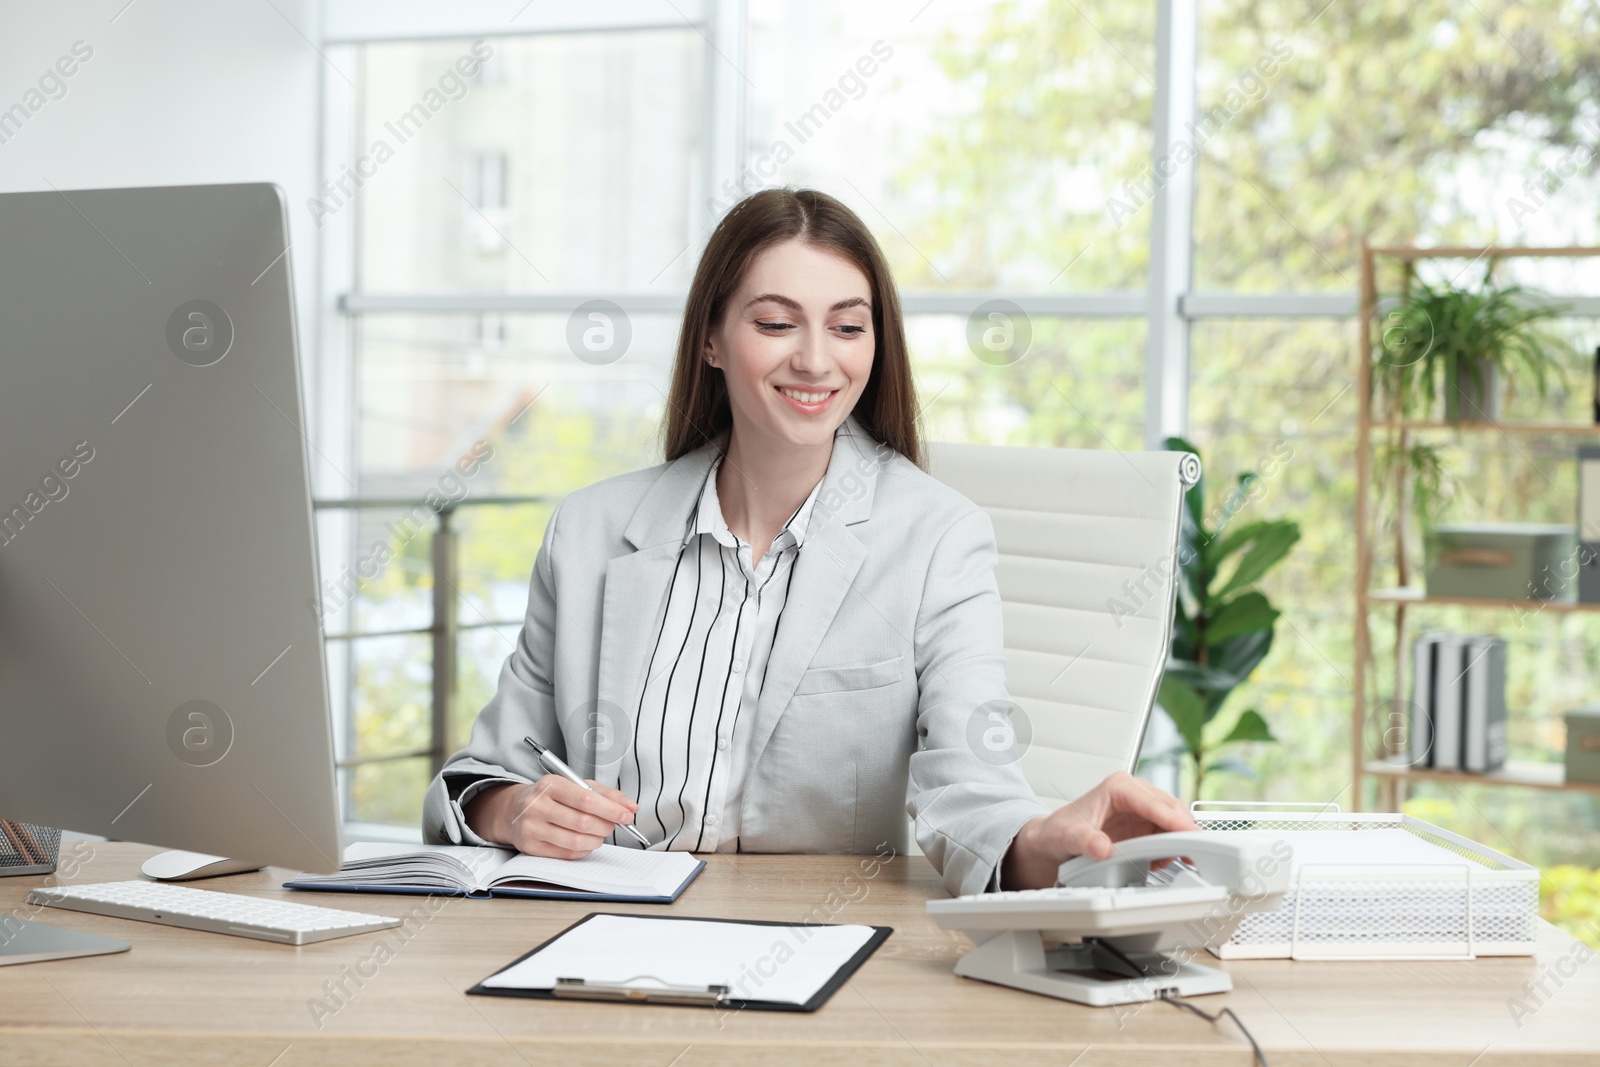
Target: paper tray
(1445, 897)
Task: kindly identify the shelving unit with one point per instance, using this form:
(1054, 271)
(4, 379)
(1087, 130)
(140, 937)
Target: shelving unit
(1393, 778)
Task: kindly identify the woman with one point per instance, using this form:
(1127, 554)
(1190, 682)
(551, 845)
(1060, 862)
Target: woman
(741, 648)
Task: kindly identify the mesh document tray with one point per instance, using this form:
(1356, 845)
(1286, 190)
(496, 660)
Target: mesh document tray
(28, 849)
(1405, 889)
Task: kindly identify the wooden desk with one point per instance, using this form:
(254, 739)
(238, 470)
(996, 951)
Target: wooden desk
(182, 997)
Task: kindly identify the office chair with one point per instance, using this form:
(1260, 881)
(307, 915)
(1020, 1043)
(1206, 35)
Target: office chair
(1088, 545)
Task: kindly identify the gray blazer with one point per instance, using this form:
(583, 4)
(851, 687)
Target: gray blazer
(891, 636)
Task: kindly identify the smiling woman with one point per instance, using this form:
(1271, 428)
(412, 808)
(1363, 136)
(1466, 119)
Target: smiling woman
(796, 316)
(772, 249)
(777, 640)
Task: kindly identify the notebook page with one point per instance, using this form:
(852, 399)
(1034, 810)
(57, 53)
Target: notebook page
(388, 863)
(785, 964)
(608, 869)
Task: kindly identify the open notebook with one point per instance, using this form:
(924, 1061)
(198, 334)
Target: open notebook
(608, 873)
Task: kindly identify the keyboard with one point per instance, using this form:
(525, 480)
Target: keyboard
(1088, 909)
(211, 911)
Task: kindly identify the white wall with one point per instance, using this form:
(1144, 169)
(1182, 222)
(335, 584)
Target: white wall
(176, 92)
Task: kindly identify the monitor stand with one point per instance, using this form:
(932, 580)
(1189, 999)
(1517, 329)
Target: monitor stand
(180, 866)
(26, 942)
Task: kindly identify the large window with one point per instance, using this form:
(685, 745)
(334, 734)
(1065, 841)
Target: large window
(1402, 123)
(929, 123)
(496, 168)
(1170, 197)
(561, 163)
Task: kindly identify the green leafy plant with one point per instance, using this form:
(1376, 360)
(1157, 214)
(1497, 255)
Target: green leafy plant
(1223, 624)
(1413, 473)
(1462, 343)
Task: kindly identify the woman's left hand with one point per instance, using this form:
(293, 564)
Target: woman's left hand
(1118, 808)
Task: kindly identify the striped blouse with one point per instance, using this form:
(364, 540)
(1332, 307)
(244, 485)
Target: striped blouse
(691, 745)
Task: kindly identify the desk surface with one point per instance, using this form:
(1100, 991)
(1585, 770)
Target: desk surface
(184, 997)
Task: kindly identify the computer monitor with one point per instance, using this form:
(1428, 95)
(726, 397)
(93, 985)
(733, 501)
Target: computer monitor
(161, 676)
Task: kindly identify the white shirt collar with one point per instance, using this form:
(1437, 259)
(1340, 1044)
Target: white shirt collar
(708, 516)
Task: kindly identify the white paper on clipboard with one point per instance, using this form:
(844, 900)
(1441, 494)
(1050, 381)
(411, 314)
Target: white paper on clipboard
(757, 961)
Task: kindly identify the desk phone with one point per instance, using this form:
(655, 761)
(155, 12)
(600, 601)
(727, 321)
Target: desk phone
(1117, 931)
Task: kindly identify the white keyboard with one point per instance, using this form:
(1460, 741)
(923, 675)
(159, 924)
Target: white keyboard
(1084, 908)
(211, 911)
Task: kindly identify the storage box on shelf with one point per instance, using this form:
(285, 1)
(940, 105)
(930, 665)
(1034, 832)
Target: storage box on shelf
(1501, 561)
(1583, 746)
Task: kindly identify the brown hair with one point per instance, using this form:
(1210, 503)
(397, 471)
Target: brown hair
(697, 406)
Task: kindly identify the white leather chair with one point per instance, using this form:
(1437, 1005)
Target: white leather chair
(1088, 546)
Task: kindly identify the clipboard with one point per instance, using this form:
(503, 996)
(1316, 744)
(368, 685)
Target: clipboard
(710, 996)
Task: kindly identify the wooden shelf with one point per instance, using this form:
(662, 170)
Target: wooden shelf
(1415, 595)
(1457, 251)
(1581, 428)
(1516, 773)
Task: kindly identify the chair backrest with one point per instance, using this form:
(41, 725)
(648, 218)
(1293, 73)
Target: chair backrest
(1088, 545)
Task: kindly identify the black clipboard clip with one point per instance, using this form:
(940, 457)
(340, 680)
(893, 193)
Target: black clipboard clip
(578, 989)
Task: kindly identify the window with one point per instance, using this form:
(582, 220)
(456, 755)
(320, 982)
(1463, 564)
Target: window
(553, 164)
(980, 141)
(983, 164)
(572, 171)
(1405, 123)
(1028, 168)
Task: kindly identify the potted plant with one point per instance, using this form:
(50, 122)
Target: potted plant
(1222, 624)
(1465, 345)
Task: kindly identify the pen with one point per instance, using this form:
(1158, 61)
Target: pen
(558, 765)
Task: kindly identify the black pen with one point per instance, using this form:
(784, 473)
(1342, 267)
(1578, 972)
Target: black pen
(555, 763)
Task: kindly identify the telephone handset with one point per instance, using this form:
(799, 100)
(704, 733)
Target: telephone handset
(1109, 923)
(1246, 865)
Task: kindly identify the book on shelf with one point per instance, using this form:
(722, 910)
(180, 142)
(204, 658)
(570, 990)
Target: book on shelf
(1449, 674)
(1420, 736)
(1589, 519)
(1484, 731)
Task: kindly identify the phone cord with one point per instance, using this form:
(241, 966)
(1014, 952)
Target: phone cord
(1261, 1057)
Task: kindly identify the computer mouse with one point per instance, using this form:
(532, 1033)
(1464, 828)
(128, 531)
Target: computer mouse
(180, 866)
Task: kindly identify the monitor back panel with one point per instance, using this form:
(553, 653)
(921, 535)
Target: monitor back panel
(161, 667)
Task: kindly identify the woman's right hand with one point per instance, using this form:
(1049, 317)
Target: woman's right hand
(550, 817)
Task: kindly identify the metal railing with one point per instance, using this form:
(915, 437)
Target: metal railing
(445, 625)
